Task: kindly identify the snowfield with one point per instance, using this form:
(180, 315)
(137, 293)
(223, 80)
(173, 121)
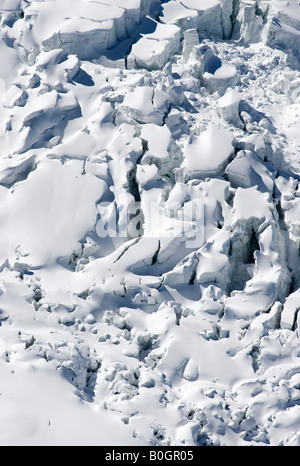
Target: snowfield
(150, 222)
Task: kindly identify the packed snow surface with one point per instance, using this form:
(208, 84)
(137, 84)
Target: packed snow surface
(150, 222)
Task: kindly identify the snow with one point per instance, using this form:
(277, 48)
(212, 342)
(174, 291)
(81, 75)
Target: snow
(176, 13)
(50, 415)
(149, 211)
(154, 49)
(42, 237)
(246, 171)
(229, 105)
(208, 154)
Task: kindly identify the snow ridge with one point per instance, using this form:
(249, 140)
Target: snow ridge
(149, 208)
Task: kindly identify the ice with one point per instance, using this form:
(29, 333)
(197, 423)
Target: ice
(206, 155)
(153, 50)
(176, 13)
(9, 57)
(246, 170)
(221, 79)
(280, 30)
(289, 316)
(11, 174)
(10, 5)
(10, 11)
(149, 211)
(229, 106)
(95, 26)
(43, 180)
(217, 76)
(191, 39)
(255, 143)
(209, 13)
(151, 54)
(159, 151)
(170, 33)
(156, 105)
(248, 25)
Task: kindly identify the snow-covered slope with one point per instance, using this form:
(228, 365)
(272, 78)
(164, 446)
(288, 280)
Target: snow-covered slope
(149, 211)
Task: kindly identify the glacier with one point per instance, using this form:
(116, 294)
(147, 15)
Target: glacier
(150, 223)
